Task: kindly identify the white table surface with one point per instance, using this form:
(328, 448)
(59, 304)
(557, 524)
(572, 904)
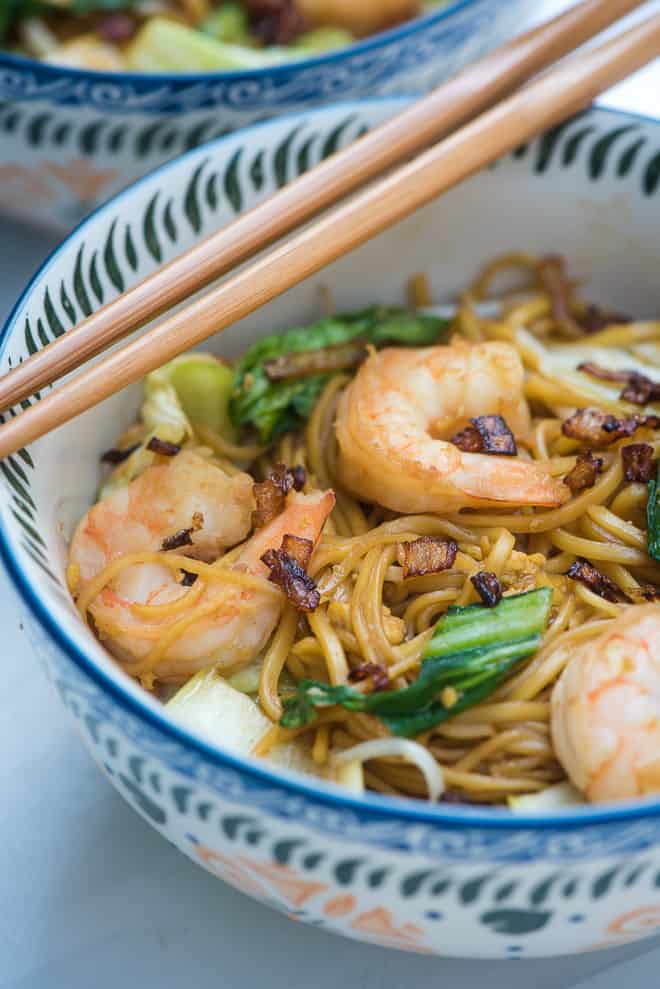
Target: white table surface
(92, 898)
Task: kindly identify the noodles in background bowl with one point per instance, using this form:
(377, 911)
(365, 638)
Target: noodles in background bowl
(374, 620)
(192, 35)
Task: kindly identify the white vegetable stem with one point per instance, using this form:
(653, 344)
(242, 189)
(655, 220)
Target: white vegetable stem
(379, 748)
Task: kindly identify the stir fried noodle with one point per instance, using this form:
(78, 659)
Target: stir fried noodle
(384, 578)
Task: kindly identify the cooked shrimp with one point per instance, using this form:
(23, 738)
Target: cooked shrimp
(221, 622)
(362, 17)
(606, 710)
(160, 503)
(395, 419)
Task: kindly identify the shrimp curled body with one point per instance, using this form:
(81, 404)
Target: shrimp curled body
(606, 710)
(141, 610)
(395, 419)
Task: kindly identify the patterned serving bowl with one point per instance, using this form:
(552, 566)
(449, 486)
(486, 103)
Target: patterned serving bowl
(437, 879)
(70, 139)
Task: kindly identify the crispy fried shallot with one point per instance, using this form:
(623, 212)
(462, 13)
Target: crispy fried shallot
(426, 555)
(638, 462)
(275, 22)
(187, 578)
(163, 448)
(594, 319)
(560, 290)
(486, 434)
(303, 363)
(638, 390)
(116, 456)
(378, 674)
(594, 580)
(299, 588)
(298, 549)
(270, 495)
(584, 473)
(184, 536)
(487, 587)
(598, 428)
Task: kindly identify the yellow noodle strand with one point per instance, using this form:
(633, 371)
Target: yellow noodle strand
(273, 664)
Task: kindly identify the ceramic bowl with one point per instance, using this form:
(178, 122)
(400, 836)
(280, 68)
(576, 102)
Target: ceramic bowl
(70, 139)
(445, 880)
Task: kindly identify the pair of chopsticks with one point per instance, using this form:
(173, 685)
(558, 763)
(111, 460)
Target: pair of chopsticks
(493, 115)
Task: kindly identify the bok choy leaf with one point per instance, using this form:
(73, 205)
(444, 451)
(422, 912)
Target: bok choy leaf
(472, 650)
(274, 405)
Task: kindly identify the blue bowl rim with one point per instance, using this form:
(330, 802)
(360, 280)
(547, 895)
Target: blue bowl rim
(372, 805)
(146, 81)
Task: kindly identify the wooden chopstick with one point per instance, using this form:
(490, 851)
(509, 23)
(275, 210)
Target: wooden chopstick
(541, 104)
(477, 87)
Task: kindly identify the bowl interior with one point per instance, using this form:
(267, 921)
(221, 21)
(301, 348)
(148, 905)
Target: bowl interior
(588, 190)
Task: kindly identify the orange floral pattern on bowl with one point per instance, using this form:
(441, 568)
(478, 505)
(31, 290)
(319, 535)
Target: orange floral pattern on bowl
(284, 885)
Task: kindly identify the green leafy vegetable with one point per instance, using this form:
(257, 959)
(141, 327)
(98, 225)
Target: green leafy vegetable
(275, 407)
(203, 386)
(323, 39)
(212, 707)
(472, 651)
(653, 518)
(162, 45)
(93, 6)
(12, 10)
(163, 417)
(192, 390)
(228, 23)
